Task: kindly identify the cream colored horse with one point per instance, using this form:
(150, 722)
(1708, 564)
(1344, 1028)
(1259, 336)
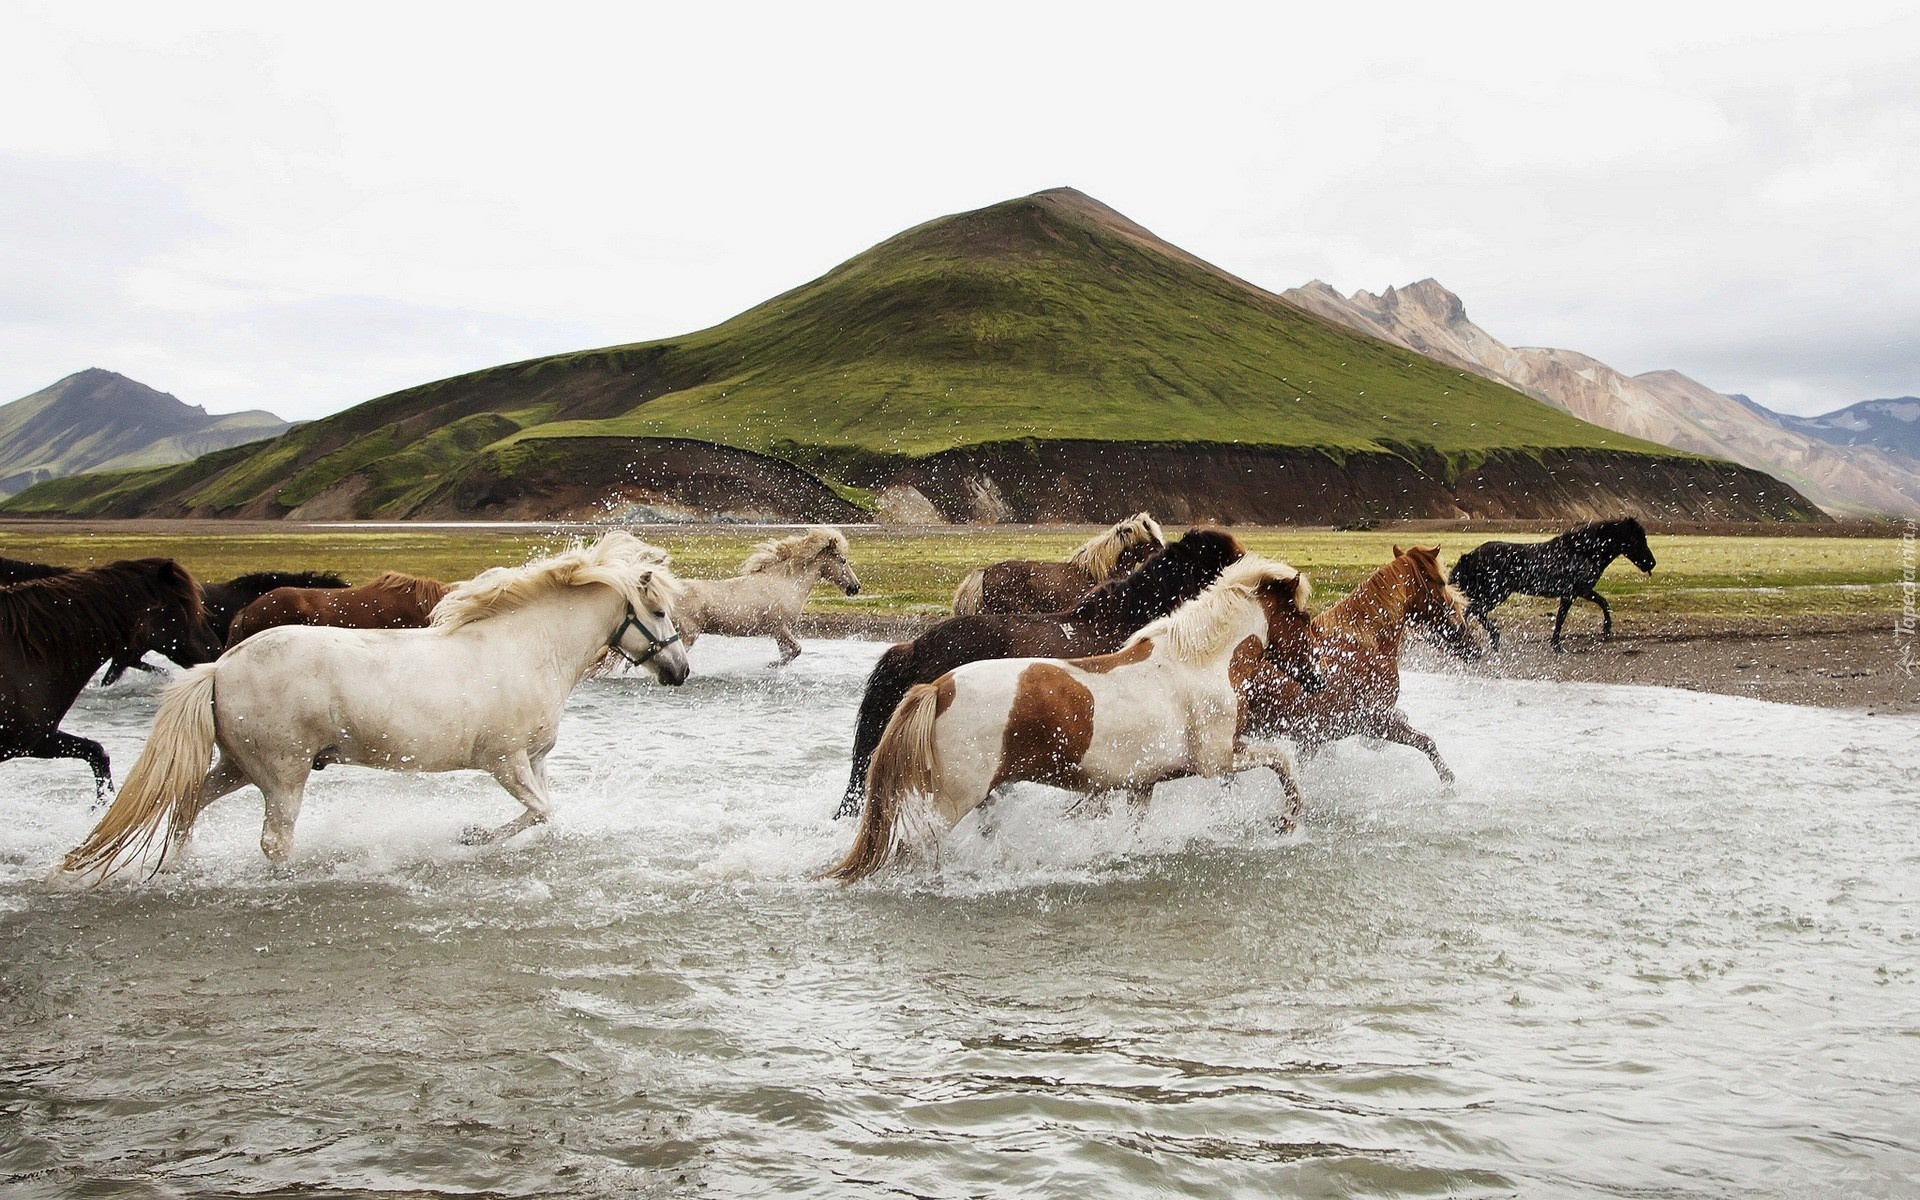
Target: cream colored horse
(1165, 706)
(770, 591)
(481, 688)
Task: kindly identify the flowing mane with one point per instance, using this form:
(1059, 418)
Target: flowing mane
(1605, 535)
(14, 570)
(635, 569)
(98, 610)
(426, 592)
(1098, 554)
(1199, 629)
(795, 549)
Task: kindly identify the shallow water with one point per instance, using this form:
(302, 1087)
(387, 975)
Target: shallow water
(1653, 944)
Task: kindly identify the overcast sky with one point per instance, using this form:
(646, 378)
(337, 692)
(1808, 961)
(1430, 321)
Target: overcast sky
(303, 207)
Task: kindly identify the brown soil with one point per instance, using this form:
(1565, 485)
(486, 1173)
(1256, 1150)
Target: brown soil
(1833, 662)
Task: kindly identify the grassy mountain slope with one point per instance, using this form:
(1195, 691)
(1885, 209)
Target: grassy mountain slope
(1040, 320)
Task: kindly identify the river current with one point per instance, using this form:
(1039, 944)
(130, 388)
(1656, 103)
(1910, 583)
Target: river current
(1653, 943)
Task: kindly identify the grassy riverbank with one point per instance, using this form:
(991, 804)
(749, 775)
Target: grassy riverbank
(914, 571)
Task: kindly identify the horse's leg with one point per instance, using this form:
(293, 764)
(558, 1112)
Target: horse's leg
(515, 773)
(1485, 617)
(1393, 727)
(284, 791)
(1606, 614)
(223, 780)
(1560, 621)
(1248, 757)
(66, 745)
(788, 644)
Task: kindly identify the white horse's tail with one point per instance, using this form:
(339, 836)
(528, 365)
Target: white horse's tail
(901, 782)
(164, 785)
(967, 597)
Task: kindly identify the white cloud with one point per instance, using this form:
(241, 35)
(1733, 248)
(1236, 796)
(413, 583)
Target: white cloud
(302, 209)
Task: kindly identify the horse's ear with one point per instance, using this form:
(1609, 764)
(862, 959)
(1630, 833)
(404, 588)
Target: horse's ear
(1397, 551)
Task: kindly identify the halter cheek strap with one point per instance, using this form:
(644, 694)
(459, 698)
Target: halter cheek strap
(654, 644)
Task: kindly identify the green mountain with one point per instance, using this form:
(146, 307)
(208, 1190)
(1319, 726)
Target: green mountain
(1043, 358)
(99, 421)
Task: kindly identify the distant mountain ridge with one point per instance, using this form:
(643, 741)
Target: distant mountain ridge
(1847, 462)
(96, 420)
(1892, 425)
(1040, 359)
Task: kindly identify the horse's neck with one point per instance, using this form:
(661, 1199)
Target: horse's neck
(1376, 610)
(566, 631)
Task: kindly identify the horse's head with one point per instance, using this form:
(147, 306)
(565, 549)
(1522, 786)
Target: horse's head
(832, 560)
(1633, 540)
(1435, 608)
(174, 622)
(647, 638)
(1290, 636)
(1141, 529)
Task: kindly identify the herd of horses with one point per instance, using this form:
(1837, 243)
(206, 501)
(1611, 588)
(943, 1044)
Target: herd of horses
(1166, 659)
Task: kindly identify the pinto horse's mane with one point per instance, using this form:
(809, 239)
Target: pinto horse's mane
(635, 569)
(81, 612)
(1098, 555)
(1199, 629)
(795, 549)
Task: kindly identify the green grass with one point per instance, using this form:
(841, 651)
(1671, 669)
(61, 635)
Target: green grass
(1039, 319)
(1761, 577)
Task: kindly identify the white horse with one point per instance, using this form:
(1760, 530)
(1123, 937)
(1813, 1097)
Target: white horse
(482, 688)
(770, 591)
(1166, 705)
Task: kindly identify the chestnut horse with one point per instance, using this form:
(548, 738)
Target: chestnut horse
(1359, 644)
(392, 601)
(1102, 621)
(1021, 585)
(1165, 706)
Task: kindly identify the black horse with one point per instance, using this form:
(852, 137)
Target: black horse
(55, 632)
(1103, 619)
(1566, 567)
(223, 601)
(14, 570)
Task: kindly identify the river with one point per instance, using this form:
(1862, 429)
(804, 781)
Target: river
(1654, 943)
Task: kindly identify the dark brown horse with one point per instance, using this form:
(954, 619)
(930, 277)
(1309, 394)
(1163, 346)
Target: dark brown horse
(55, 632)
(1021, 585)
(223, 601)
(1103, 620)
(392, 601)
(1567, 567)
(1358, 640)
(14, 570)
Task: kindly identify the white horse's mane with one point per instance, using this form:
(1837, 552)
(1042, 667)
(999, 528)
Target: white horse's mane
(794, 549)
(635, 569)
(1098, 554)
(1199, 629)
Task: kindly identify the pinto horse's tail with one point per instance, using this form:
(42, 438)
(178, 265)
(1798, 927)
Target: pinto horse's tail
(164, 785)
(969, 595)
(902, 778)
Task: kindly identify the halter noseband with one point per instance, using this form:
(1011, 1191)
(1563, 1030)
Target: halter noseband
(654, 644)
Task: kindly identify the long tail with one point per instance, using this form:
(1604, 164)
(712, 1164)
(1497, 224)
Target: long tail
(968, 596)
(887, 685)
(904, 774)
(164, 786)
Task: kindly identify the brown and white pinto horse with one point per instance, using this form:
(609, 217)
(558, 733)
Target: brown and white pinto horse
(392, 601)
(1359, 646)
(1165, 706)
(1021, 585)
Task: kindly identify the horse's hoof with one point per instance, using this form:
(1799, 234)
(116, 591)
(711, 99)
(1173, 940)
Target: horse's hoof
(475, 835)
